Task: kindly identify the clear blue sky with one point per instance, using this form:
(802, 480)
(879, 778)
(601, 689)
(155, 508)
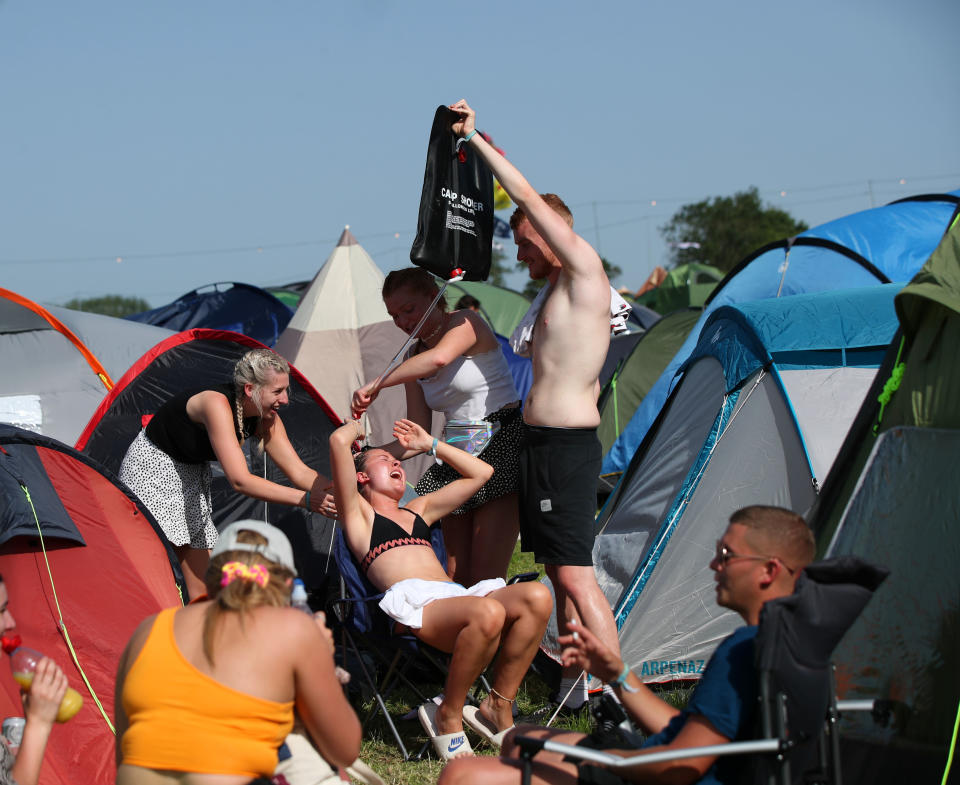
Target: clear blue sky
(215, 140)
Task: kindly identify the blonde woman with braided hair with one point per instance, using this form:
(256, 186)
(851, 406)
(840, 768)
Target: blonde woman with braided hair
(167, 465)
(206, 694)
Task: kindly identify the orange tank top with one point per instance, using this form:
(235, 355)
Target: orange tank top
(181, 719)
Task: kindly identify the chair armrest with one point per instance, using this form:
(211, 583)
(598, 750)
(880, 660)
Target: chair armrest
(530, 746)
(884, 711)
(855, 705)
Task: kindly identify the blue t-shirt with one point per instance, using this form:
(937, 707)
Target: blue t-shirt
(725, 696)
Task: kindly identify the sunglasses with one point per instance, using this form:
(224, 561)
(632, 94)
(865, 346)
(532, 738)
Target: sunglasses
(724, 554)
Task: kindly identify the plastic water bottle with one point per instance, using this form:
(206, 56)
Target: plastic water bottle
(298, 597)
(23, 662)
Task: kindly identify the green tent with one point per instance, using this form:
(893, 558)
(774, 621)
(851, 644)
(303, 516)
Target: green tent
(502, 308)
(893, 498)
(686, 286)
(639, 370)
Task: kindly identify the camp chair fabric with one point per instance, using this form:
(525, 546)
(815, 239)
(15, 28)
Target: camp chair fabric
(796, 638)
(369, 631)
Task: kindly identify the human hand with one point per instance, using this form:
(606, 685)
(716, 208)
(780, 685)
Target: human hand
(325, 503)
(362, 398)
(467, 121)
(583, 649)
(46, 692)
(411, 436)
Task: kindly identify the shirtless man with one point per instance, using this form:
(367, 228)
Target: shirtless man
(560, 457)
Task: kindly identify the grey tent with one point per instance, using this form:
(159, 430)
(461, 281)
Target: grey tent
(757, 416)
(894, 498)
(636, 373)
(59, 363)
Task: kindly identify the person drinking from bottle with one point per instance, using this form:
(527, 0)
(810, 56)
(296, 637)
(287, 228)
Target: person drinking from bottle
(40, 707)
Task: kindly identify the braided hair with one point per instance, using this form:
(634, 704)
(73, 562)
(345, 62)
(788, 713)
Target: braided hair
(255, 368)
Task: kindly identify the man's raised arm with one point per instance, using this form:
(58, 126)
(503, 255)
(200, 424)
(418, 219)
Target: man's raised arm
(575, 254)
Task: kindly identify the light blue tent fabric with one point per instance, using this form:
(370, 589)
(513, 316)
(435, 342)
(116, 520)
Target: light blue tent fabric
(806, 334)
(881, 245)
(758, 415)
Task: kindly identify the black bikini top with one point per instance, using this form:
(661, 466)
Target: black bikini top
(388, 534)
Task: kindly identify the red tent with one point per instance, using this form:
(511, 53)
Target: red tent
(84, 562)
(191, 360)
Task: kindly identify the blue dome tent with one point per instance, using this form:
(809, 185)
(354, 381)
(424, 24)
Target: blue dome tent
(881, 245)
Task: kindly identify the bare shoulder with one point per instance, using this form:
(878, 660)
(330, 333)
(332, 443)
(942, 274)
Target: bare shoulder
(482, 330)
(590, 290)
(290, 625)
(135, 644)
(580, 260)
(207, 401)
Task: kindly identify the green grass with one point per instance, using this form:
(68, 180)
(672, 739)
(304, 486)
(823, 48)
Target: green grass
(381, 753)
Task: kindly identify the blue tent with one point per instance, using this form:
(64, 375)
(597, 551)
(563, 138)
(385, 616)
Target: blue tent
(521, 369)
(757, 417)
(881, 245)
(237, 307)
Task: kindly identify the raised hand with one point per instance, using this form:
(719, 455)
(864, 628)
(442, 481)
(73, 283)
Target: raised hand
(362, 399)
(467, 121)
(583, 649)
(47, 690)
(411, 436)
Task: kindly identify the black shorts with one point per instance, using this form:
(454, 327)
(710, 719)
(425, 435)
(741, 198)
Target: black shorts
(559, 468)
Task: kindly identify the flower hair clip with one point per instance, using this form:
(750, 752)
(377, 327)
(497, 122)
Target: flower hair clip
(235, 569)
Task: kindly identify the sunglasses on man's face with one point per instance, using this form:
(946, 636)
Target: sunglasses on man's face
(724, 554)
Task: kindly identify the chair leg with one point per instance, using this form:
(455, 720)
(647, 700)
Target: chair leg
(526, 763)
(381, 704)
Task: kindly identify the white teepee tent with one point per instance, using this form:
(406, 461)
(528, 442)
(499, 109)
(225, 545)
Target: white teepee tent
(342, 337)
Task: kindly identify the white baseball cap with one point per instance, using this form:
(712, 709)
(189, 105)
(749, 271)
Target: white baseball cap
(277, 548)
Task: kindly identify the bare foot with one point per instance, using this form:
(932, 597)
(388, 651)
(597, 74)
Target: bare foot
(496, 711)
(448, 721)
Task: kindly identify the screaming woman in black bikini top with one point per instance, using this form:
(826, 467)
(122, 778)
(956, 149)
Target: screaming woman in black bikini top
(387, 534)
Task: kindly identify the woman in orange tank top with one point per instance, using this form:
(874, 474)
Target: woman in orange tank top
(205, 694)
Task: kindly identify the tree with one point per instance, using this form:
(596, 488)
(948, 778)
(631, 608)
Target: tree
(532, 287)
(723, 230)
(110, 305)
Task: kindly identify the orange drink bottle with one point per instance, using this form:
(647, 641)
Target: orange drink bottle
(24, 661)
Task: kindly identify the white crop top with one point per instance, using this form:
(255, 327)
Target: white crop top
(470, 388)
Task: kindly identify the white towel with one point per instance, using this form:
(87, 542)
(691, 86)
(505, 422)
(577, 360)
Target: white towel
(523, 333)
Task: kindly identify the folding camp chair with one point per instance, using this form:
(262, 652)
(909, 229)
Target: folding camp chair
(367, 629)
(797, 737)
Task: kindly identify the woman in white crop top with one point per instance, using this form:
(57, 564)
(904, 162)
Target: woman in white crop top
(457, 368)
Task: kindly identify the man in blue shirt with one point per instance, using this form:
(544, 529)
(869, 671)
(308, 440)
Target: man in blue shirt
(757, 559)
